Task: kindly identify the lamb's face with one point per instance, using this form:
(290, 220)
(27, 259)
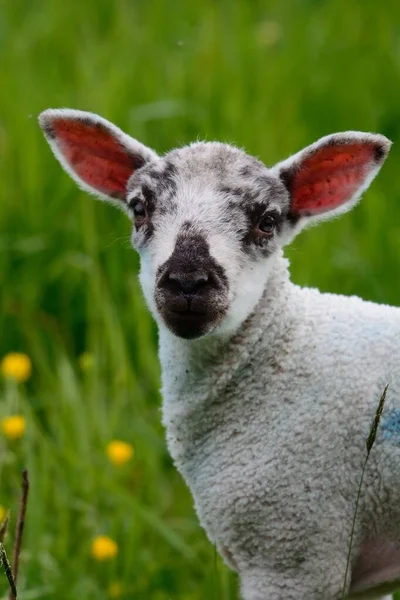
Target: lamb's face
(208, 220)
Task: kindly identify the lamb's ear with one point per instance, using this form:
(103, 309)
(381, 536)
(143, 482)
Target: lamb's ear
(97, 154)
(328, 177)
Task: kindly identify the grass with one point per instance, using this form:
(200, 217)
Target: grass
(268, 76)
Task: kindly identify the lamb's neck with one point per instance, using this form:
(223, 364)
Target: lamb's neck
(184, 362)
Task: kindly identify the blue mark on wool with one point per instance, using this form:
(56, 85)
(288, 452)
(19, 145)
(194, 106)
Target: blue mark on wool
(390, 425)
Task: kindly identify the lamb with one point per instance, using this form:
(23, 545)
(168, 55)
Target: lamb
(269, 389)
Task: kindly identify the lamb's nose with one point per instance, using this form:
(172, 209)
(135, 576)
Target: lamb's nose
(188, 284)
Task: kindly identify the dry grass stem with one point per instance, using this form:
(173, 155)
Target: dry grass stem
(7, 569)
(19, 531)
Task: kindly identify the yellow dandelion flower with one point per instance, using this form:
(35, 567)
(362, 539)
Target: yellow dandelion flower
(16, 365)
(13, 427)
(86, 361)
(3, 514)
(119, 452)
(104, 548)
(115, 590)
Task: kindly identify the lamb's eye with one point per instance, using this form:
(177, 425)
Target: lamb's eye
(139, 210)
(267, 225)
(140, 213)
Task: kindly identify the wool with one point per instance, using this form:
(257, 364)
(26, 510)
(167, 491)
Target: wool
(269, 429)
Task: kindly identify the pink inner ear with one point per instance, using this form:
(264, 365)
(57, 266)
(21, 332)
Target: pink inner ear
(95, 155)
(330, 177)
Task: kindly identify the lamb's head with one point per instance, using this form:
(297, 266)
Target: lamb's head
(209, 220)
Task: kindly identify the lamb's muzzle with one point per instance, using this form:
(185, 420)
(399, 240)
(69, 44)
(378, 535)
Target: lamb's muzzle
(191, 292)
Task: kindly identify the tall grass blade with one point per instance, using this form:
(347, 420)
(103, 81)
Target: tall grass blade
(370, 442)
(4, 527)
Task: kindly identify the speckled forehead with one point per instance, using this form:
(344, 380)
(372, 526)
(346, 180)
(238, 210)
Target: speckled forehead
(219, 166)
(213, 157)
(207, 170)
(157, 178)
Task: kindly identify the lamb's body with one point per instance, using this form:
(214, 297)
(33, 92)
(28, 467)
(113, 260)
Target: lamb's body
(269, 389)
(272, 444)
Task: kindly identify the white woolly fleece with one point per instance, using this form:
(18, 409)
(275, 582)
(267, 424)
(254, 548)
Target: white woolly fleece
(269, 430)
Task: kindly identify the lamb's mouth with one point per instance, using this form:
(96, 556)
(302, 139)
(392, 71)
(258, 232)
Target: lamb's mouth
(191, 324)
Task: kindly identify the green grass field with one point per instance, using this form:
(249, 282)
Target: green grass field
(268, 76)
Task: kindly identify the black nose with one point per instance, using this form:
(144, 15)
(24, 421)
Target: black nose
(188, 284)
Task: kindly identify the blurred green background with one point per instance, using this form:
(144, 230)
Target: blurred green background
(268, 76)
